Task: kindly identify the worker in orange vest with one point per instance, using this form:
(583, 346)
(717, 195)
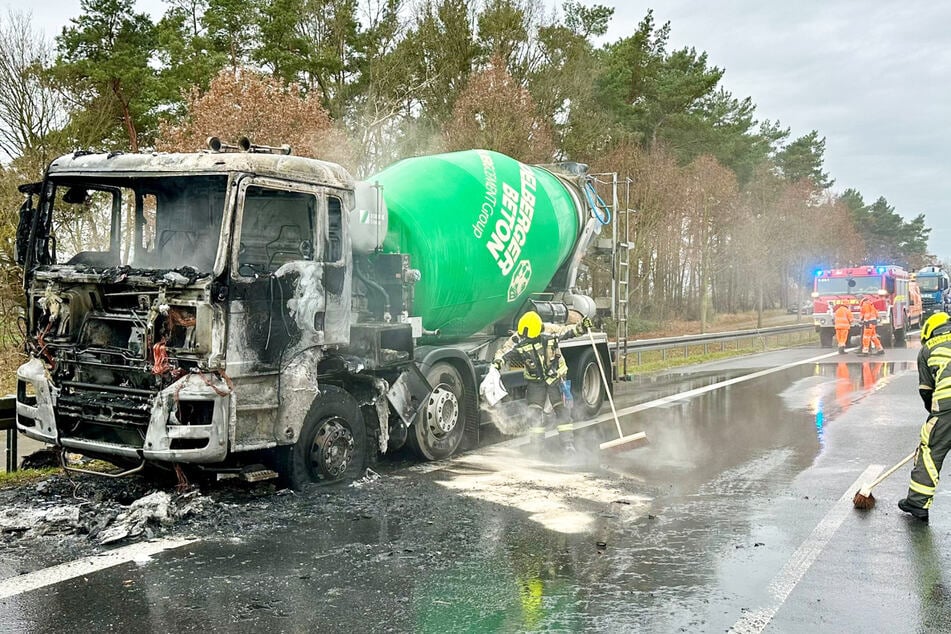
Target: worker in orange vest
(842, 319)
(869, 316)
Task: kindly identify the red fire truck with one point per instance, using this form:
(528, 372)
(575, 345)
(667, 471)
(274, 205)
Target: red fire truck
(887, 286)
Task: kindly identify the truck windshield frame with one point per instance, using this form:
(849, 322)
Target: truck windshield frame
(863, 285)
(280, 221)
(929, 283)
(150, 223)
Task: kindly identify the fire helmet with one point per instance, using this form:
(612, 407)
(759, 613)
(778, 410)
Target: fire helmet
(530, 325)
(932, 324)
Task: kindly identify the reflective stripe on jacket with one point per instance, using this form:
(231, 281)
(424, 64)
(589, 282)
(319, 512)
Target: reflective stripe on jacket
(934, 372)
(540, 357)
(842, 317)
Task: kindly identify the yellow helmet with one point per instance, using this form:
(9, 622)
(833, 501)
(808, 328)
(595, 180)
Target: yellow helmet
(530, 325)
(932, 323)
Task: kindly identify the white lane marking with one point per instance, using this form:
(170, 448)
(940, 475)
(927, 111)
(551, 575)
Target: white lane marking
(72, 569)
(430, 467)
(782, 585)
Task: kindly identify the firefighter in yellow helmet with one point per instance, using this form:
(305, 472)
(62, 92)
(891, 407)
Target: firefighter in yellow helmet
(934, 386)
(534, 346)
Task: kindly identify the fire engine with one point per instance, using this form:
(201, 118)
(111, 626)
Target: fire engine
(898, 306)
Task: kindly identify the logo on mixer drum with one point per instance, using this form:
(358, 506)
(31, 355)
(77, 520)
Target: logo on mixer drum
(520, 278)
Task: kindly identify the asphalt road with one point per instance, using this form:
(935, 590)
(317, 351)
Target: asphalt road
(737, 516)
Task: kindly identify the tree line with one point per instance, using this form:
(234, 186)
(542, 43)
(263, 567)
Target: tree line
(727, 211)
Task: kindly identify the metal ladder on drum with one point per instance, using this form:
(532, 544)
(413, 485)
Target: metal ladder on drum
(621, 229)
(620, 253)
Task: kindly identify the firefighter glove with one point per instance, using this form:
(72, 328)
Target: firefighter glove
(587, 325)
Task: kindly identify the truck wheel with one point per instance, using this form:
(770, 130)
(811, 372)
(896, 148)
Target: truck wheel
(440, 426)
(586, 386)
(332, 446)
(826, 336)
(886, 336)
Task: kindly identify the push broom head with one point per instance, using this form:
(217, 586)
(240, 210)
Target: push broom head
(863, 500)
(624, 443)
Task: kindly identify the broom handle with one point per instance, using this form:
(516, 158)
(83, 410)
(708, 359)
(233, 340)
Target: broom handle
(604, 379)
(892, 470)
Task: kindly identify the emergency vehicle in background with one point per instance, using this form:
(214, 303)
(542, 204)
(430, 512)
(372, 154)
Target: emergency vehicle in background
(935, 293)
(891, 288)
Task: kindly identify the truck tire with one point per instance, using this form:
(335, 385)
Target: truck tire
(826, 337)
(900, 333)
(332, 446)
(587, 389)
(887, 336)
(440, 426)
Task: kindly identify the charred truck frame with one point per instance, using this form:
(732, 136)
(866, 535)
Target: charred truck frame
(229, 309)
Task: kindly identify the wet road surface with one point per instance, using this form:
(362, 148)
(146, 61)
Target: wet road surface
(737, 515)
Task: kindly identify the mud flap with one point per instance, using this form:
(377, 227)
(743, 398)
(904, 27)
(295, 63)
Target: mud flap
(409, 393)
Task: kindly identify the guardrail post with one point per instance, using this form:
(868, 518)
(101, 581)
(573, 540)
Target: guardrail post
(11, 450)
(8, 419)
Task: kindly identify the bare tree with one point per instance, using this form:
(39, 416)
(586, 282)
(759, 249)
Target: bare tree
(260, 107)
(29, 106)
(495, 113)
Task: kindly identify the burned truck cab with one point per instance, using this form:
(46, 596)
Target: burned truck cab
(179, 307)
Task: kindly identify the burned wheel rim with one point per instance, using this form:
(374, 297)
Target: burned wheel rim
(442, 411)
(332, 449)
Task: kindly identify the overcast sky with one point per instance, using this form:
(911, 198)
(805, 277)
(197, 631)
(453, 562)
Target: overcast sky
(874, 78)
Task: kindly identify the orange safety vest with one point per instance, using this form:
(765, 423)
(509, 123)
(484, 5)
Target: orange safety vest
(869, 312)
(842, 317)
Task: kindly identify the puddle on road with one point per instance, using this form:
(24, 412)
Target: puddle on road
(834, 387)
(694, 439)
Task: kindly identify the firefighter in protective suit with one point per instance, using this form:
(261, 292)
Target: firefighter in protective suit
(535, 348)
(934, 386)
(869, 316)
(842, 320)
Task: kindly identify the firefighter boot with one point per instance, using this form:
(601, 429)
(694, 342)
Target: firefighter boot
(566, 429)
(567, 439)
(915, 511)
(536, 440)
(841, 349)
(880, 351)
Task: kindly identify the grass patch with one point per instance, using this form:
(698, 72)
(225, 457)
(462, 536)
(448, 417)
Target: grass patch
(26, 476)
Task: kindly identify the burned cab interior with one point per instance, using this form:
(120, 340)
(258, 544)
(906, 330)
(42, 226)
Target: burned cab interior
(158, 223)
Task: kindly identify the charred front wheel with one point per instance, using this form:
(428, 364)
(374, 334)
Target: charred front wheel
(439, 428)
(332, 446)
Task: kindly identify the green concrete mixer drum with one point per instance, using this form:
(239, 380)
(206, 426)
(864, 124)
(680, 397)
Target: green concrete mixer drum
(484, 230)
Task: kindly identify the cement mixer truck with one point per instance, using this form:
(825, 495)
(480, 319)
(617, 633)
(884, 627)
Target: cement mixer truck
(250, 312)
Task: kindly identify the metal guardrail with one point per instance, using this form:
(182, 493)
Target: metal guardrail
(639, 346)
(8, 417)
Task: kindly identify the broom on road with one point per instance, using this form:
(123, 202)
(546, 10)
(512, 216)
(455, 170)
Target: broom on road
(864, 499)
(623, 443)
